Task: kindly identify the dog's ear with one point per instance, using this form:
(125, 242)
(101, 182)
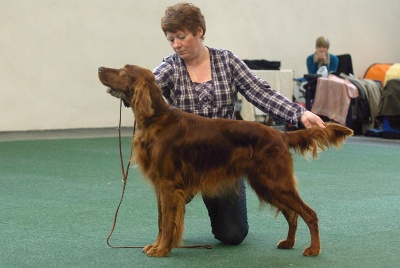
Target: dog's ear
(142, 100)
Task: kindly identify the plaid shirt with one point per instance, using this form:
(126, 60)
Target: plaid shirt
(216, 98)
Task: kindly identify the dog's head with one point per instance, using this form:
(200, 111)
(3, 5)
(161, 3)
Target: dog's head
(134, 83)
(125, 80)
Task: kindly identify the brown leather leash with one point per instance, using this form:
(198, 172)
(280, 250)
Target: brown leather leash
(124, 180)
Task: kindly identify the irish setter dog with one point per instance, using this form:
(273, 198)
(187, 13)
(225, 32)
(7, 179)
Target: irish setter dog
(183, 154)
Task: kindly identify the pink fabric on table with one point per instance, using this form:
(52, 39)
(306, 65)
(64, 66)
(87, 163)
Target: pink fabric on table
(332, 98)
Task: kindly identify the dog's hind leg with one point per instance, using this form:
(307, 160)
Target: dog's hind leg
(282, 194)
(292, 200)
(291, 218)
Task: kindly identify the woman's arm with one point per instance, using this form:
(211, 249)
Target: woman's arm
(259, 93)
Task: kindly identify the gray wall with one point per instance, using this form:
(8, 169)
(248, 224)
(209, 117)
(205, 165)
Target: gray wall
(50, 49)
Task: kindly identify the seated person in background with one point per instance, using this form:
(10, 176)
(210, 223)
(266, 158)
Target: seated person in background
(315, 61)
(322, 57)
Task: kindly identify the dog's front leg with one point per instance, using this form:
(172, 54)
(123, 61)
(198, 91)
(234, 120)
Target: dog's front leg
(147, 249)
(172, 209)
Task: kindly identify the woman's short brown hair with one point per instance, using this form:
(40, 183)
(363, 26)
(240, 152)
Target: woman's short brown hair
(183, 16)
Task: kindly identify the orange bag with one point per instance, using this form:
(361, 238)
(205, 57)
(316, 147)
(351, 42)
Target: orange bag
(377, 71)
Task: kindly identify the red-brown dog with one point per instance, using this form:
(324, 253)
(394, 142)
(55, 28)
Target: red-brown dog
(183, 154)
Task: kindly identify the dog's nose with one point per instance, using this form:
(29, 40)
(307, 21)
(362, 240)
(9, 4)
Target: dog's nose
(100, 69)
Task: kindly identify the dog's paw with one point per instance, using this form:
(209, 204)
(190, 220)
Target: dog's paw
(155, 251)
(285, 244)
(147, 248)
(311, 251)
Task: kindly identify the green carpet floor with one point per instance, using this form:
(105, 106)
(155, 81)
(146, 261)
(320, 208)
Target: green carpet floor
(58, 198)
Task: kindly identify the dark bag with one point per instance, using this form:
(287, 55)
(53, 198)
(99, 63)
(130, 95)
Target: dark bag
(263, 64)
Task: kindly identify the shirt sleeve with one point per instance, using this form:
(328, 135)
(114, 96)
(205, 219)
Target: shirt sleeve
(163, 75)
(259, 93)
(312, 68)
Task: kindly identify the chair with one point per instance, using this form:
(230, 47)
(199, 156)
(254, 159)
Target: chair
(345, 64)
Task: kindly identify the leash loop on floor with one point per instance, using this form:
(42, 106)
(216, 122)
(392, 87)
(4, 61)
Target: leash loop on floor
(124, 180)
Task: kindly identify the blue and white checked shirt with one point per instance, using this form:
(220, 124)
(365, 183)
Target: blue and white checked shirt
(216, 98)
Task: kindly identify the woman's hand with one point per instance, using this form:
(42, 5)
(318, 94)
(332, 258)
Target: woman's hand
(118, 95)
(320, 57)
(310, 119)
(115, 93)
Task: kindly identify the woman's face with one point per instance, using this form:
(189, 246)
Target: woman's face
(322, 50)
(185, 44)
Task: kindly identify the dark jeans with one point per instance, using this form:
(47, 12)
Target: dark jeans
(228, 215)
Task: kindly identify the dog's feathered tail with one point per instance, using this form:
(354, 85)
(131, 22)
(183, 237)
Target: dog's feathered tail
(317, 139)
